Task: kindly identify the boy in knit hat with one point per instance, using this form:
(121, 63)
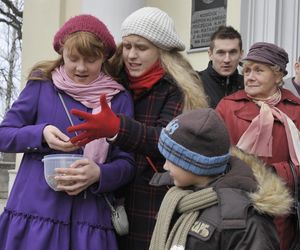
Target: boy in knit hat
(222, 198)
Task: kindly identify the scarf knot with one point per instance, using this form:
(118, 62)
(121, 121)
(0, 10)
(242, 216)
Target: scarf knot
(258, 139)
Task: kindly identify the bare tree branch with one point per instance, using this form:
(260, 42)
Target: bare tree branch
(13, 25)
(11, 20)
(10, 5)
(11, 15)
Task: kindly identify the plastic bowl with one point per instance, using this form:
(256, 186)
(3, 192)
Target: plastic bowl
(57, 161)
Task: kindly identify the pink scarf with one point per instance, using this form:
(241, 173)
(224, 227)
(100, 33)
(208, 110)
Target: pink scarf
(257, 139)
(88, 95)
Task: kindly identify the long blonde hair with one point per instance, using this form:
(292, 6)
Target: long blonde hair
(85, 43)
(187, 79)
(178, 67)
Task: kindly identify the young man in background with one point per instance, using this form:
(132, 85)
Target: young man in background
(221, 77)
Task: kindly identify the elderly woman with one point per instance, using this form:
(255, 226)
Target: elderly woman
(263, 119)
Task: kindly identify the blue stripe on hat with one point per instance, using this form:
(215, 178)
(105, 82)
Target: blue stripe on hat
(189, 160)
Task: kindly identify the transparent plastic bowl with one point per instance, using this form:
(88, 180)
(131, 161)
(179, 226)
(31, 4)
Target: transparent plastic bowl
(57, 161)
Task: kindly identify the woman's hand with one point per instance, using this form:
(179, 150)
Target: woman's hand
(78, 177)
(57, 140)
(104, 124)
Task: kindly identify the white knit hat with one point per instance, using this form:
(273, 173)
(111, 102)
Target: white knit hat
(155, 25)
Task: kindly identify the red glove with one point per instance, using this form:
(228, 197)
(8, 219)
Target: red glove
(102, 124)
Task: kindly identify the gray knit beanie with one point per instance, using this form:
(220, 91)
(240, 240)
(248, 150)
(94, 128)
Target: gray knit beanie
(196, 141)
(155, 25)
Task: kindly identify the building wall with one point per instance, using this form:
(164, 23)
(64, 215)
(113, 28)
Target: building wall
(112, 12)
(43, 18)
(275, 22)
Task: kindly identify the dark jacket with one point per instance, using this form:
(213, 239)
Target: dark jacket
(242, 218)
(153, 111)
(217, 86)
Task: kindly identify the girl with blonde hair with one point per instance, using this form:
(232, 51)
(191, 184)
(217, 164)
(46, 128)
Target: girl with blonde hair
(163, 84)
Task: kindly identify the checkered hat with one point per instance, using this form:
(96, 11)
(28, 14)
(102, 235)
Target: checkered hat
(155, 25)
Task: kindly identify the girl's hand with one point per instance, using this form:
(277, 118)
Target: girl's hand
(57, 140)
(78, 177)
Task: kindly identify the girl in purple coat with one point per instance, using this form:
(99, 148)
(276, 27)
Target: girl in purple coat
(77, 216)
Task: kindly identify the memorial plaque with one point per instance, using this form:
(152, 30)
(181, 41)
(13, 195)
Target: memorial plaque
(207, 16)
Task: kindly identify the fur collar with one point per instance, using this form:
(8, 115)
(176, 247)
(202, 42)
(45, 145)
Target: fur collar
(272, 196)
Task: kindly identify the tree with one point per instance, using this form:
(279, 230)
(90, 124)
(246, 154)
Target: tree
(11, 13)
(11, 19)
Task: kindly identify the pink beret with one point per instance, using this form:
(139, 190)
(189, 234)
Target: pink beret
(87, 23)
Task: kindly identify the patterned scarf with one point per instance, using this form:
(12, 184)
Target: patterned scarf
(147, 80)
(187, 203)
(257, 139)
(88, 95)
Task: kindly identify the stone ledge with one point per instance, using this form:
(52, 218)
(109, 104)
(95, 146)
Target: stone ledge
(11, 179)
(2, 204)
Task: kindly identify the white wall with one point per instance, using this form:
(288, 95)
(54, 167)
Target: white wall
(112, 12)
(43, 18)
(38, 29)
(275, 22)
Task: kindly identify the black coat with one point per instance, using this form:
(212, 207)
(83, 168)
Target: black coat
(153, 111)
(217, 86)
